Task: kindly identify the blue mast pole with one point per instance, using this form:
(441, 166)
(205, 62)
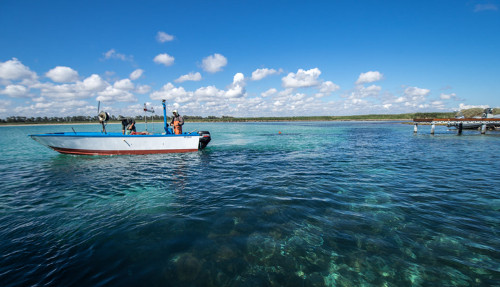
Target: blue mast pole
(165, 125)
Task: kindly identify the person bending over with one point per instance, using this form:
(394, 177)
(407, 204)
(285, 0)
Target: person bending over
(128, 125)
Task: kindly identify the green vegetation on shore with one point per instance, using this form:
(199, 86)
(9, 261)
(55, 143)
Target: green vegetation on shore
(187, 118)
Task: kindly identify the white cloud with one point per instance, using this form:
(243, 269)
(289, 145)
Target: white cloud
(15, 91)
(362, 98)
(189, 77)
(112, 54)
(209, 93)
(163, 37)
(164, 59)
(463, 106)
(119, 92)
(327, 88)
(56, 108)
(94, 83)
(416, 92)
(15, 70)
(136, 74)
(124, 84)
(302, 79)
(62, 74)
(170, 92)
(269, 92)
(485, 7)
(369, 77)
(414, 97)
(214, 63)
(5, 106)
(448, 96)
(237, 88)
(260, 74)
(113, 94)
(143, 89)
(79, 90)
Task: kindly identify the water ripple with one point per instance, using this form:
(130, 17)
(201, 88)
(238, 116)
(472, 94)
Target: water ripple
(321, 204)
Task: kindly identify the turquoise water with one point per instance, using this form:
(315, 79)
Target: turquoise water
(321, 204)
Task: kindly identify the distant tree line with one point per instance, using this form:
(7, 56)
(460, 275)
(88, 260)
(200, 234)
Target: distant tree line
(113, 118)
(82, 119)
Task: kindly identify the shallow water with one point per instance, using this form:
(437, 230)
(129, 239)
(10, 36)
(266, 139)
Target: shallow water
(321, 204)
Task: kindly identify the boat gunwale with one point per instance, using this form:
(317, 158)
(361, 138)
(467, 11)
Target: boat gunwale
(111, 135)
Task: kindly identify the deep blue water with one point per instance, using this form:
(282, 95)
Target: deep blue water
(321, 204)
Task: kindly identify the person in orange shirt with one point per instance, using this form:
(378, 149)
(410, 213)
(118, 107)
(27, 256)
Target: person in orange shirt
(177, 122)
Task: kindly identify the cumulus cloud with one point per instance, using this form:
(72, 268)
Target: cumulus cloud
(112, 54)
(369, 77)
(463, 106)
(170, 92)
(260, 74)
(113, 94)
(413, 97)
(62, 74)
(79, 90)
(93, 83)
(143, 89)
(163, 37)
(416, 92)
(237, 88)
(326, 88)
(121, 91)
(164, 59)
(269, 92)
(15, 91)
(214, 63)
(136, 74)
(302, 79)
(15, 70)
(124, 84)
(360, 93)
(209, 93)
(189, 77)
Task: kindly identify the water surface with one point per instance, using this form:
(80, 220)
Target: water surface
(321, 204)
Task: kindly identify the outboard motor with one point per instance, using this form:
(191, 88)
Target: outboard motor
(204, 139)
(487, 113)
(103, 119)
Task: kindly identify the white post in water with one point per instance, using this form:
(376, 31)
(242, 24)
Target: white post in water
(483, 129)
(433, 127)
(415, 128)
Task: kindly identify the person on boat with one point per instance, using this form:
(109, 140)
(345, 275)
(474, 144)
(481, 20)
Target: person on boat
(177, 122)
(128, 125)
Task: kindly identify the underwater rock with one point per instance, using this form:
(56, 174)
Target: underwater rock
(270, 210)
(225, 253)
(187, 267)
(260, 247)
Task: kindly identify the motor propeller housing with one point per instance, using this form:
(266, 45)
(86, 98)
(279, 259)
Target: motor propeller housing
(103, 117)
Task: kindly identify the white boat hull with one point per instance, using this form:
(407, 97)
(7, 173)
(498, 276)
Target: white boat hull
(117, 144)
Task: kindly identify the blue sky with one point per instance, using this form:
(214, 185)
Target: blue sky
(248, 58)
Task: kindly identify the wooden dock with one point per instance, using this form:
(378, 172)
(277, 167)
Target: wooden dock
(460, 124)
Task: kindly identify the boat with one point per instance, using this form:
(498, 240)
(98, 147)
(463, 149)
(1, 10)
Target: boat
(475, 123)
(104, 143)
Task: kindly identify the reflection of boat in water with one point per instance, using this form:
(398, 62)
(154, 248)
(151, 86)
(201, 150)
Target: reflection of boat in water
(103, 143)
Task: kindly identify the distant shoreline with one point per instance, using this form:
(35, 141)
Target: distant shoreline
(216, 121)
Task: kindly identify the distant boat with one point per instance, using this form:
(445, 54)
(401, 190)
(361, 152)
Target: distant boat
(103, 143)
(487, 114)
